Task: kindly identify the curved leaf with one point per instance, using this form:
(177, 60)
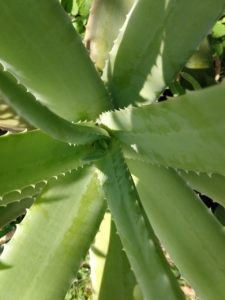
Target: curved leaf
(40, 116)
(32, 190)
(46, 251)
(193, 237)
(138, 239)
(28, 158)
(213, 186)
(186, 132)
(46, 55)
(118, 281)
(13, 210)
(98, 254)
(154, 44)
(104, 22)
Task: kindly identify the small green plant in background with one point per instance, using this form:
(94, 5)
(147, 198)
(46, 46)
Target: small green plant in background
(81, 287)
(78, 12)
(110, 143)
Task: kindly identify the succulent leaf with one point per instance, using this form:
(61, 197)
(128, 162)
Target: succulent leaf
(53, 65)
(186, 132)
(48, 246)
(41, 117)
(154, 44)
(193, 237)
(31, 157)
(31, 190)
(13, 210)
(118, 280)
(212, 186)
(140, 244)
(104, 22)
(46, 75)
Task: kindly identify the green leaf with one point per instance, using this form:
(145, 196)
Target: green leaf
(186, 132)
(200, 59)
(98, 253)
(46, 55)
(193, 237)
(191, 80)
(32, 190)
(67, 5)
(213, 186)
(48, 246)
(218, 30)
(84, 7)
(32, 157)
(118, 281)
(40, 116)
(13, 210)
(138, 239)
(75, 8)
(111, 278)
(154, 44)
(104, 22)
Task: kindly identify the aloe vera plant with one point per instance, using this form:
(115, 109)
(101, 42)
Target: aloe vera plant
(104, 142)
